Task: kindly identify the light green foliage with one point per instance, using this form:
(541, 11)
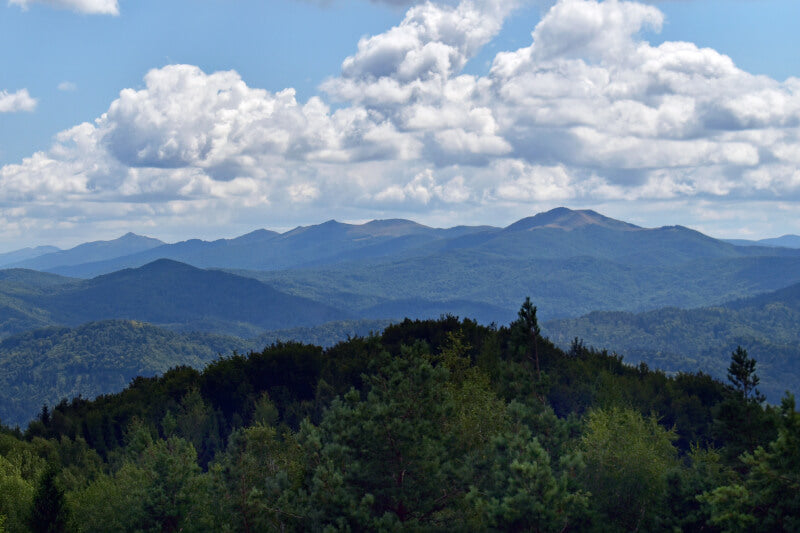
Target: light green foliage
(156, 489)
(627, 460)
(255, 481)
(520, 491)
(21, 465)
(16, 495)
(729, 508)
(478, 412)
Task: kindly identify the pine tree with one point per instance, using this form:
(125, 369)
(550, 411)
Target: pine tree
(742, 375)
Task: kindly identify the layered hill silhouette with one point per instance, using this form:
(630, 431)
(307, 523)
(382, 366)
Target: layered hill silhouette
(166, 293)
(702, 339)
(570, 262)
(128, 244)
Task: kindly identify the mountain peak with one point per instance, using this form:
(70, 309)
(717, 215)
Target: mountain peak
(569, 219)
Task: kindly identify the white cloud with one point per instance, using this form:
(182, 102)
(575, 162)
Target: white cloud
(67, 86)
(589, 112)
(17, 101)
(92, 7)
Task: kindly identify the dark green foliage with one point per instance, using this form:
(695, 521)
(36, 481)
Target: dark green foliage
(49, 513)
(742, 375)
(434, 425)
(767, 497)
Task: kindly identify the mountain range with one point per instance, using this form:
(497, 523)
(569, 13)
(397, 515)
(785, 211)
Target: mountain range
(569, 262)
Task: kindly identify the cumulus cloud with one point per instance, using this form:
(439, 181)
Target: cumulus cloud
(17, 101)
(589, 112)
(91, 7)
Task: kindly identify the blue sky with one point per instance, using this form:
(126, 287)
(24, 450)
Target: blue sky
(529, 140)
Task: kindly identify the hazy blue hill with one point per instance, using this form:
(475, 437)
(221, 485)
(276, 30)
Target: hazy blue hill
(46, 365)
(569, 219)
(25, 279)
(324, 335)
(557, 234)
(417, 308)
(564, 287)
(23, 254)
(174, 294)
(786, 241)
(326, 243)
(702, 339)
(90, 252)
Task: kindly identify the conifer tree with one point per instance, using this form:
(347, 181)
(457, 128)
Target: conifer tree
(49, 514)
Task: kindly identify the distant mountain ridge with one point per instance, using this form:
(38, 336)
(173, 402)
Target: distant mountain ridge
(569, 261)
(558, 233)
(128, 244)
(17, 256)
(785, 241)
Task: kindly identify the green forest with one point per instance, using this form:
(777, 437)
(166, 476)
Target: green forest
(435, 425)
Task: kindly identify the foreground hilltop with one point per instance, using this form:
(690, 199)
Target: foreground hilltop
(434, 425)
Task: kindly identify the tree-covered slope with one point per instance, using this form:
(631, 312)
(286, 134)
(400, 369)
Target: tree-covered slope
(165, 293)
(561, 287)
(439, 425)
(46, 365)
(699, 339)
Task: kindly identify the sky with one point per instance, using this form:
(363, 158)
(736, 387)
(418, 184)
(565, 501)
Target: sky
(211, 118)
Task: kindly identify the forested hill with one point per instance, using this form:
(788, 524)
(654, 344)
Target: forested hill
(43, 366)
(437, 425)
(697, 339)
(165, 293)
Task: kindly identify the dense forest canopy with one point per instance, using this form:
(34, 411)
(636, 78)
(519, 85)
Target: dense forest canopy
(433, 425)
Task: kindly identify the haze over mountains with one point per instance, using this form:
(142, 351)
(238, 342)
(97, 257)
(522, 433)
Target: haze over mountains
(569, 262)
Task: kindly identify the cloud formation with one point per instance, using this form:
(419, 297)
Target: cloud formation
(17, 101)
(67, 86)
(589, 112)
(91, 7)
